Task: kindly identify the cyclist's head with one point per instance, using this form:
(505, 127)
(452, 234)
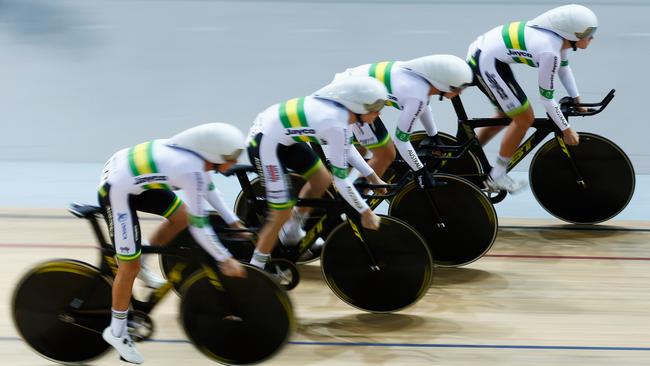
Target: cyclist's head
(571, 22)
(359, 94)
(447, 73)
(218, 143)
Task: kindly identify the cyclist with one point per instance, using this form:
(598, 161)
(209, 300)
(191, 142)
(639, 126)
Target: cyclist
(410, 85)
(141, 178)
(543, 43)
(278, 141)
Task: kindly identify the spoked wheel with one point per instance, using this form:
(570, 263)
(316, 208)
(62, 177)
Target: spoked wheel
(403, 274)
(247, 323)
(243, 208)
(468, 225)
(605, 169)
(43, 304)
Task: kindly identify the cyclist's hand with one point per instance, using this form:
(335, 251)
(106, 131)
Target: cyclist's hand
(370, 220)
(247, 235)
(570, 137)
(423, 178)
(232, 268)
(374, 179)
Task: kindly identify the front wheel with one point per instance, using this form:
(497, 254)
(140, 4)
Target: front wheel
(60, 309)
(399, 275)
(233, 320)
(604, 190)
(457, 220)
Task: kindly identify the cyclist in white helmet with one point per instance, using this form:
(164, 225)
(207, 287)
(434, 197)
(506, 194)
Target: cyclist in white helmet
(143, 178)
(278, 142)
(410, 85)
(543, 43)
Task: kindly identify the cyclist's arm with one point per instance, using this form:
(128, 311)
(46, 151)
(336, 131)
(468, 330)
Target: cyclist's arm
(338, 142)
(549, 63)
(426, 117)
(359, 163)
(195, 185)
(566, 76)
(412, 108)
(215, 198)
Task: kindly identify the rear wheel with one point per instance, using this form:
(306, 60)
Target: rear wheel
(236, 320)
(605, 169)
(468, 222)
(404, 270)
(61, 308)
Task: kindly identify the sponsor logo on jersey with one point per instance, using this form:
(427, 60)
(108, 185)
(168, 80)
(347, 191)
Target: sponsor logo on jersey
(492, 80)
(149, 179)
(299, 131)
(272, 172)
(519, 53)
(121, 218)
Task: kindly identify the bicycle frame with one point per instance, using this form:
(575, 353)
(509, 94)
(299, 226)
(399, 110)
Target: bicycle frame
(108, 265)
(467, 139)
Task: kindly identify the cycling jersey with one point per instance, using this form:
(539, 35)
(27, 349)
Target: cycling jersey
(491, 54)
(295, 122)
(154, 166)
(407, 92)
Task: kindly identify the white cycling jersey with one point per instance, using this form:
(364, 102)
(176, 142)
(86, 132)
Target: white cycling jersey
(308, 119)
(518, 43)
(155, 165)
(407, 92)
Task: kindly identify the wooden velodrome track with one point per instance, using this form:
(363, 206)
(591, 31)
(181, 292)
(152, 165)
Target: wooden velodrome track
(546, 294)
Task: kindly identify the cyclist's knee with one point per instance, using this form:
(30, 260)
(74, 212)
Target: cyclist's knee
(524, 119)
(386, 153)
(179, 218)
(320, 180)
(129, 268)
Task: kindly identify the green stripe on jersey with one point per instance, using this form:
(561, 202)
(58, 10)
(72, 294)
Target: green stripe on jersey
(292, 116)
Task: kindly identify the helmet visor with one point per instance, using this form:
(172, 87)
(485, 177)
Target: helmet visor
(376, 106)
(589, 32)
(458, 89)
(233, 156)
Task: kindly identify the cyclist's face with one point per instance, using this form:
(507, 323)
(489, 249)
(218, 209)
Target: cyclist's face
(369, 117)
(584, 43)
(222, 168)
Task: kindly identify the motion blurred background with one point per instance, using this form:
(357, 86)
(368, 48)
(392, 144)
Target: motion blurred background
(80, 79)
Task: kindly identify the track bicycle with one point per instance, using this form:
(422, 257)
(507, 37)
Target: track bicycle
(457, 221)
(60, 307)
(383, 270)
(584, 184)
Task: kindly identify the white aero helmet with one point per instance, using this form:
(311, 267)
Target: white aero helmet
(359, 94)
(214, 142)
(571, 22)
(445, 72)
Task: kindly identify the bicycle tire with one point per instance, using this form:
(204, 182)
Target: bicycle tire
(605, 168)
(470, 220)
(38, 310)
(259, 327)
(401, 253)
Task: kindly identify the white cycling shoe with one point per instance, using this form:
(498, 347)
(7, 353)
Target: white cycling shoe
(290, 234)
(124, 346)
(505, 183)
(150, 279)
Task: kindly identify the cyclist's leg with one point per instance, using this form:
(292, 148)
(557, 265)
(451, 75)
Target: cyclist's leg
(376, 138)
(497, 81)
(168, 205)
(125, 234)
(264, 156)
(301, 159)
